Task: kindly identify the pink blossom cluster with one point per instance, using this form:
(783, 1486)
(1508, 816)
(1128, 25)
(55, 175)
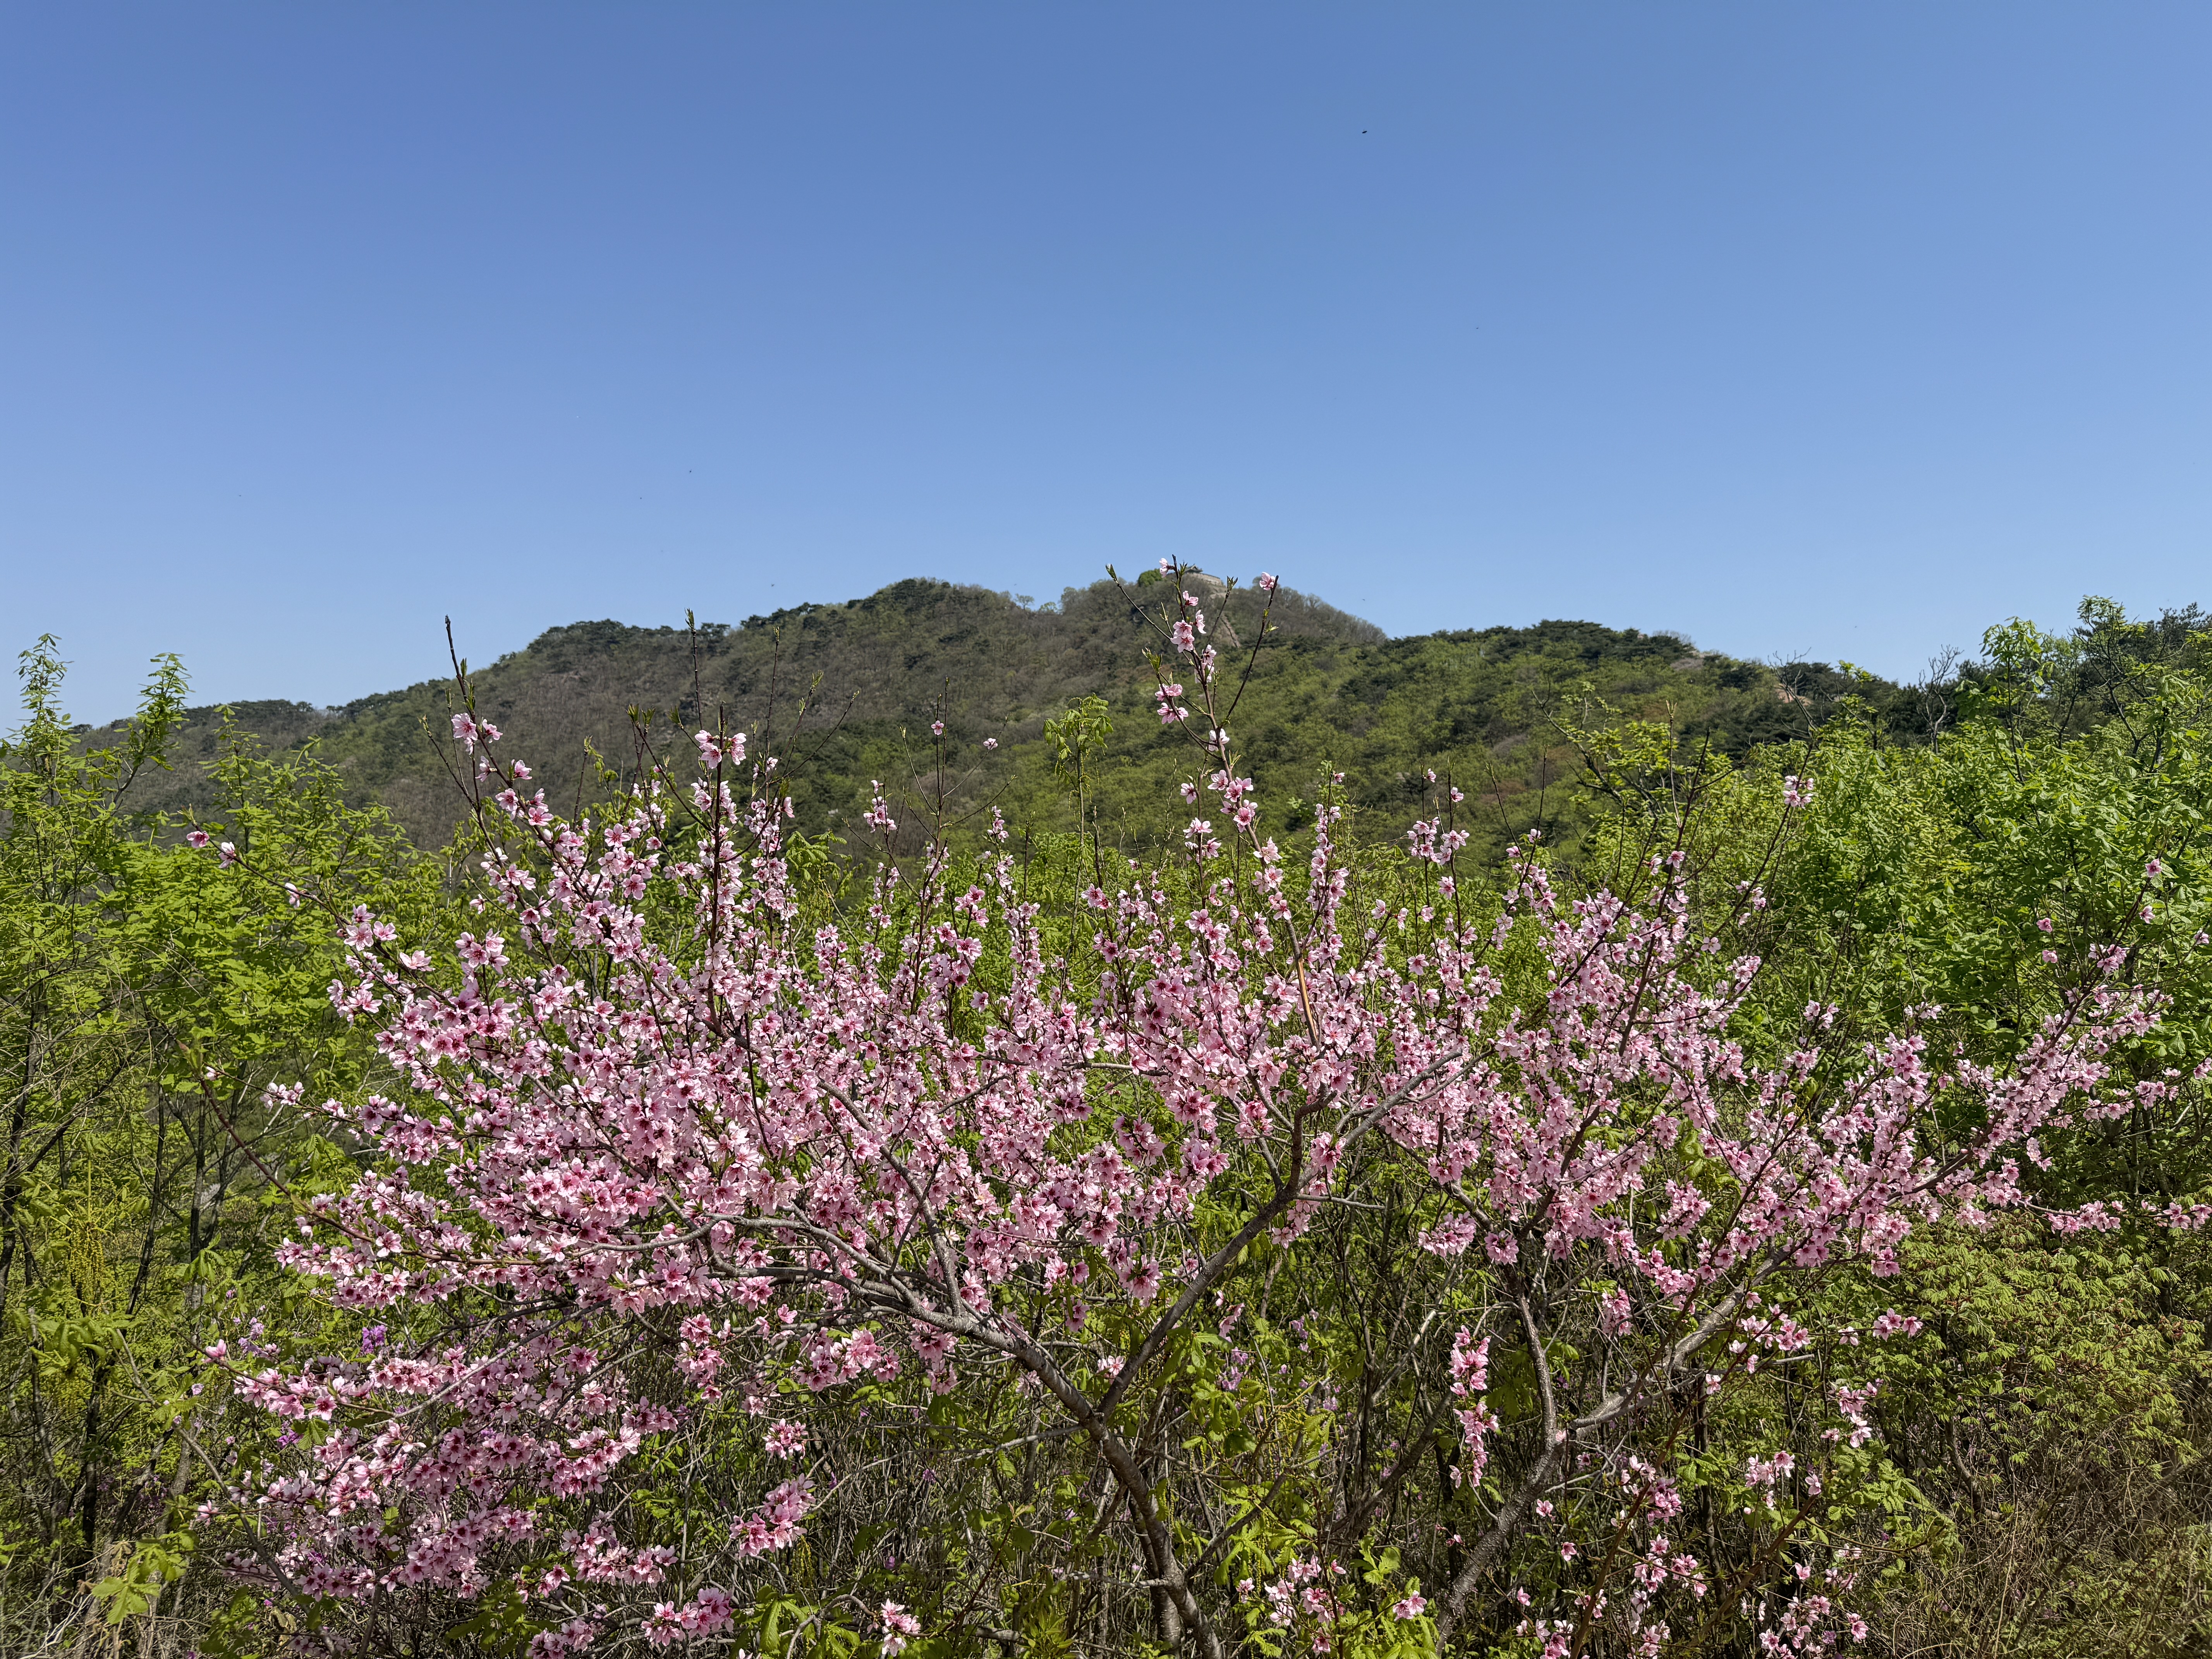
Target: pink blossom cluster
(1470, 1376)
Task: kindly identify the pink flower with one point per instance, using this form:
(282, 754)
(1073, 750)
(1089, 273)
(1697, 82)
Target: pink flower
(900, 1627)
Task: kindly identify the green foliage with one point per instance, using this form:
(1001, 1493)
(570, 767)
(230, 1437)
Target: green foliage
(151, 997)
(2055, 1408)
(845, 693)
(2053, 1415)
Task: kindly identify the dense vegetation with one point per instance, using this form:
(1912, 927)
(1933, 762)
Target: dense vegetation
(847, 693)
(1967, 862)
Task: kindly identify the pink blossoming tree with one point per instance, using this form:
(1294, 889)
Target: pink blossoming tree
(1296, 1232)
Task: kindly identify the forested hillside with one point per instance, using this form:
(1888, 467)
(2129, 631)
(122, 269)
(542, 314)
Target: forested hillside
(847, 693)
(1207, 1208)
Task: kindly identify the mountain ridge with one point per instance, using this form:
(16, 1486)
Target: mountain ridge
(847, 686)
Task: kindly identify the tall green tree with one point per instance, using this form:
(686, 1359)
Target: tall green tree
(159, 1014)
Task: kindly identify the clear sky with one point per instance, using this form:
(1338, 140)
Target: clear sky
(1837, 329)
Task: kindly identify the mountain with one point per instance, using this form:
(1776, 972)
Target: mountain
(844, 693)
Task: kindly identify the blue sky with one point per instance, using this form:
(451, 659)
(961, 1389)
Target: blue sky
(1841, 331)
